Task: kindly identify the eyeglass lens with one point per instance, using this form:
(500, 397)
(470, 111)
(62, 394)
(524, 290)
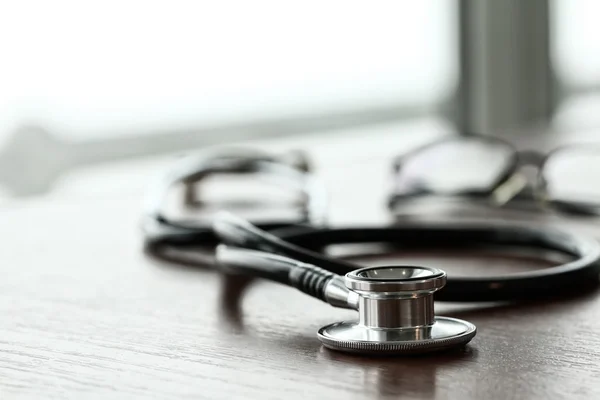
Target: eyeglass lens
(455, 166)
(572, 175)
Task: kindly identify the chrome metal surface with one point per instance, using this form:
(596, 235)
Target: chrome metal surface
(338, 295)
(395, 279)
(395, 312)
(395, 296)
(445, 333)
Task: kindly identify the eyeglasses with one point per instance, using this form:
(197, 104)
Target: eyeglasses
(493, 171)
(270, 190)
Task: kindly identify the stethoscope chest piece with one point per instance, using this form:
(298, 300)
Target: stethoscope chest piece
(396, 314)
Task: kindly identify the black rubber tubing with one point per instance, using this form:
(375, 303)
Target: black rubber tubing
(309, 279)
(571, 277)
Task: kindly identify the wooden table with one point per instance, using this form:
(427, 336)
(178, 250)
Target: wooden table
(86, 314)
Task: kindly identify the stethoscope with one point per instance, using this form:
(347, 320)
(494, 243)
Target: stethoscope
(395, 304)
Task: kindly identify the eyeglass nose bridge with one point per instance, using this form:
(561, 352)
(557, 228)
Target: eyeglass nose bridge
(530, 158)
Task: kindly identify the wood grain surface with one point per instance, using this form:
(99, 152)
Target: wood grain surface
(86, 314)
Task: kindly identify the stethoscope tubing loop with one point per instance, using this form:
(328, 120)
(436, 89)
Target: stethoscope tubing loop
(576, 275)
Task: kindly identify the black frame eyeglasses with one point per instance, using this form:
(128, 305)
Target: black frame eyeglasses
(490, 170)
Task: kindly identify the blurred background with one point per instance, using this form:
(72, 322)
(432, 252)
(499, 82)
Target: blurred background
(85, 83)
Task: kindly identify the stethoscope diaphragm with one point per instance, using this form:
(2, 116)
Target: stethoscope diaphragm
(396, 314)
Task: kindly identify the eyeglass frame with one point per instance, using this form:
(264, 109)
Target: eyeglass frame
(518, 159)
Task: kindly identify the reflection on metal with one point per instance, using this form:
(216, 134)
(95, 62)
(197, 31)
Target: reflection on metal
(506, 77)
(414, 377)
(33, 159)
